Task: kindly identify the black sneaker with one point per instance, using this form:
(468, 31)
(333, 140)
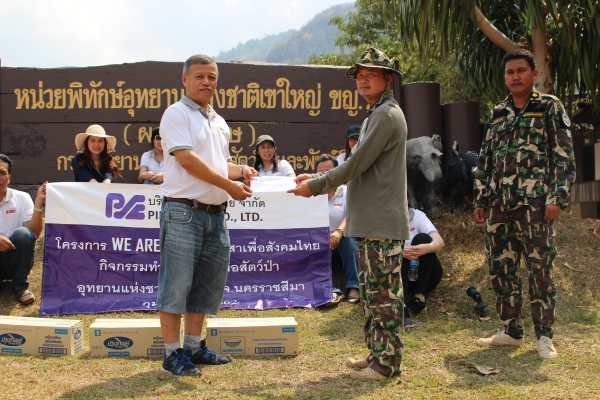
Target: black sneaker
(179, 364)
(416, 306)
(206, 356)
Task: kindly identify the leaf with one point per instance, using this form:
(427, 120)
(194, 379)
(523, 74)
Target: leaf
(485, 370)
(571, 268)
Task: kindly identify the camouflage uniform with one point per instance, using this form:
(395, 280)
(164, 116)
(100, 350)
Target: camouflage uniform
(526, 162)
(377, 165)
(382, 299)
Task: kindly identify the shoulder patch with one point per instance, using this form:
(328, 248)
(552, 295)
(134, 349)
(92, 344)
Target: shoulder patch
(550, 96)
(566, 121)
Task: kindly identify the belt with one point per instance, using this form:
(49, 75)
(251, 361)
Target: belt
(209, 208)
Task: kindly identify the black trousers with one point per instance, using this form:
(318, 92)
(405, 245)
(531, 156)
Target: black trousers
(430, 270)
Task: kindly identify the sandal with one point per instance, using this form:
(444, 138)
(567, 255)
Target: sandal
(337, 297)
(352, 300)
(25, 296)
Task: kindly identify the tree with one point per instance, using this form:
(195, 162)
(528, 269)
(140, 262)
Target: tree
(365, 28)
(563, 35)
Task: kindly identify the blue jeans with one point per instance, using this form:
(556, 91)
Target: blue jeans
(194, 257)
(348, 253)
(16, 264)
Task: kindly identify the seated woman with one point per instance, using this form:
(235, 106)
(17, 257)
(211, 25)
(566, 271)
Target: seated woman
(424, 243)
(342, 247)
(152, 166)
(351, 140)
(92, 163)
(267, 163)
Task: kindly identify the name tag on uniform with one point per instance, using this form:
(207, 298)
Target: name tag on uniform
(498, 120)
(533, 114)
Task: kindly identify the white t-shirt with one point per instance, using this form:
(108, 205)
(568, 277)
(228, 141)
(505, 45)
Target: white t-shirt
(283, 169)
(149, 161)
(16, 209)
(341, 158)
(185, 127)
(337, 208)
(419, 223)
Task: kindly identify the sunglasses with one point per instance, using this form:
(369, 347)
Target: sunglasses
(157, 138)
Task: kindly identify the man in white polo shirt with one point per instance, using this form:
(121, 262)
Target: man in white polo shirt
(20, 225)
(194, 239)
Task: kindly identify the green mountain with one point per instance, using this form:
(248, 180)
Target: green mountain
(254, 49)
(293, 46)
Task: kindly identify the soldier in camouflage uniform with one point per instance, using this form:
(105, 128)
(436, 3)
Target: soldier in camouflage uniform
(526, 167)
(377, 214)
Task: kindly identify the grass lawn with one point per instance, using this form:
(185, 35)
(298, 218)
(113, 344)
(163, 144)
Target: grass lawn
(436, 350)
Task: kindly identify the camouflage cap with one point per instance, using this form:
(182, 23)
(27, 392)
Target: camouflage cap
(372, 58)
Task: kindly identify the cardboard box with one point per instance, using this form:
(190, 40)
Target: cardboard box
(126, 337)
(253, 336)
(53, 336)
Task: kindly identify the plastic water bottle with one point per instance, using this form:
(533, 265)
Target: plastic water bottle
(413, 270)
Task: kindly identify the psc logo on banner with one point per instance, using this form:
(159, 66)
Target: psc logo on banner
(117, 207)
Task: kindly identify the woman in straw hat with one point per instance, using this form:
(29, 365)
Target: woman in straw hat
(92, 163)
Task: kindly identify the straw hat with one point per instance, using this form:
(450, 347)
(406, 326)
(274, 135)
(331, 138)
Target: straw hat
(98, 131)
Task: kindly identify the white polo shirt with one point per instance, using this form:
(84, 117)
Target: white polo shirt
(16, 209)
(283, 169)
(149, 161)
(341, 158)
(419, 223)
(337, 208)
(185, 126)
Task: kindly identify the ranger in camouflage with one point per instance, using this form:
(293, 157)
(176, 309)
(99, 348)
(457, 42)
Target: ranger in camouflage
(377, 214)
(526, 167)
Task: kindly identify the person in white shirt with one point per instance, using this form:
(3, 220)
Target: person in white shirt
(342, 247)
(194, 240)
(352, 135)
(152, 166)
(20, 225)
(424, 243)
(267, 162)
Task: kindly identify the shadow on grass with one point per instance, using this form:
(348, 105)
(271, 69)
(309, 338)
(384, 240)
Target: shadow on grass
(517, 366)
(155, 384)
(9, 302)
(145, 384)
(331, 387)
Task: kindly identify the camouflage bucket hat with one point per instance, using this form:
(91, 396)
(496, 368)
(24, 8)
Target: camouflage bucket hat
(372, 58)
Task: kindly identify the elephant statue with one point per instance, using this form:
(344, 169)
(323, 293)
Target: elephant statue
(459, 177)
(423, 170)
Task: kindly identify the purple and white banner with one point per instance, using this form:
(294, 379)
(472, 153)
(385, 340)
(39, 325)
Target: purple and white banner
(102, 251)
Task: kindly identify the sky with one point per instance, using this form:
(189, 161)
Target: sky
(80, 33)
